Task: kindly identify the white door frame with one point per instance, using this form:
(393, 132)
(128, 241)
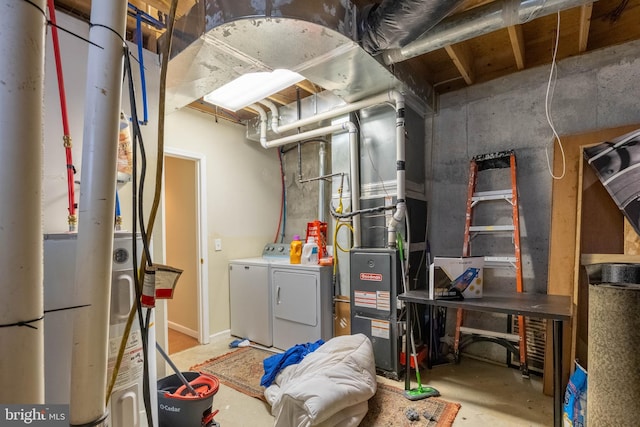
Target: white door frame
(201, 237)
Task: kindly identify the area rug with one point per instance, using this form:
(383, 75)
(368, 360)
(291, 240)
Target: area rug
(242, 370)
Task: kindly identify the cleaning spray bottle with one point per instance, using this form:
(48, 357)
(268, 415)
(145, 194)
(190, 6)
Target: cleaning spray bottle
(295, 252)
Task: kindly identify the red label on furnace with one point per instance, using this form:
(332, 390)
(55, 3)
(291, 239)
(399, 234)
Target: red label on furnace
(371, 277)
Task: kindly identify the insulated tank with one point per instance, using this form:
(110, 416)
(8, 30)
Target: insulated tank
(126, 403)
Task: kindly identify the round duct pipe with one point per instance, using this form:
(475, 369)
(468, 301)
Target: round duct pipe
(393, 24)
(476, 22)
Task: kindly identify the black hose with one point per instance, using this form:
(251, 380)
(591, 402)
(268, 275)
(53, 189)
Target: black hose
(136, 212)
(335, 214)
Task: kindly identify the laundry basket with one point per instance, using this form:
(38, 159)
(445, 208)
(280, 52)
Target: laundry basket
(177, 407)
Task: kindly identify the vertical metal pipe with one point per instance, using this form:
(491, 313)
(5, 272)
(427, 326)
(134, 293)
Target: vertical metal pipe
(97, 203)
(354, 182)
(322, 153)
(22, 49)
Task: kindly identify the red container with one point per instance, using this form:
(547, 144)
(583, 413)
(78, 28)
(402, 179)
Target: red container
(317, 232)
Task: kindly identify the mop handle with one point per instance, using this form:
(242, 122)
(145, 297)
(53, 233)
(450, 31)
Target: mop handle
(175, 369)
(415, 360)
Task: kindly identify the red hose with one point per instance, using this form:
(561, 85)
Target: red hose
(63, 108)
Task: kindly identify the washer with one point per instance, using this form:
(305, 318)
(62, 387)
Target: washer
(250, 294)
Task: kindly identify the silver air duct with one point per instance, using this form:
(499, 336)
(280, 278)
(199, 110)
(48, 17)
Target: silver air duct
(476, 22)
(393, 24)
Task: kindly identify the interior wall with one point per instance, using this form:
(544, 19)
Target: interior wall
(243, 196)
(181, 245)
(74, 54)
(302, 202)
(593, 91)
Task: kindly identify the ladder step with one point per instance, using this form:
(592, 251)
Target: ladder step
(481, 196)
(492, 334)
(499, 261)
(490, 228)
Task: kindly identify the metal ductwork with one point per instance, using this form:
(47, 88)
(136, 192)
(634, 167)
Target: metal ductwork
(219, 40)
(393, 24)
(476, 22)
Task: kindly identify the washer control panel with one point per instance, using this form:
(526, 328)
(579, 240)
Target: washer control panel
(276, 250)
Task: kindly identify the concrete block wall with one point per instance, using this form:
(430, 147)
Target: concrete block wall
(594, 91)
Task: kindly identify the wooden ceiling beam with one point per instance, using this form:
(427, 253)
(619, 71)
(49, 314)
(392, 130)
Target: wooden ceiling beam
(280, 99)
(165, 5)
(585, 24)
(517, 44)
(308, 86)
(462, 58)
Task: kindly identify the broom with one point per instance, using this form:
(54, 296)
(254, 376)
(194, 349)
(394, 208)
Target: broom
(420, 392)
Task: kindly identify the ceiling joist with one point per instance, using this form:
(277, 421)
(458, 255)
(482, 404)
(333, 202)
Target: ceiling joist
(517, 44)
(307, 86)
(165, 5)
(462, 58)
(280, 99)
(585, 24)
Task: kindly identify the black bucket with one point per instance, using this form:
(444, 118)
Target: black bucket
(177, 407)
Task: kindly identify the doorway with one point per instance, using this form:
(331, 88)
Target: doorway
(185, 248)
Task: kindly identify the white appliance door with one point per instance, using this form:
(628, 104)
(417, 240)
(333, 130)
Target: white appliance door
(250, 302)
(296, 297)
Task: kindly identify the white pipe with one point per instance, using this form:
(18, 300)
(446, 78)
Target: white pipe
(389, 96)
(22, 47)
(401, 206)
(392, 96)
(97, 202)
(275, 115)
(305, 135)
(353, 148)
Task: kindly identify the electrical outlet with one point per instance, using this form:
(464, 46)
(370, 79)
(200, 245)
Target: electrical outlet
(218, 244)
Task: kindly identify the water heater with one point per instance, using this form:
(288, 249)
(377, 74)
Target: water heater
(126, 404)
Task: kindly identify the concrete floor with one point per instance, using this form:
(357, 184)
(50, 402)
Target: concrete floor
(489, 394)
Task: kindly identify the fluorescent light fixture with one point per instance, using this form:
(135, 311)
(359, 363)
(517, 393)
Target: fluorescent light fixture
(252, 87)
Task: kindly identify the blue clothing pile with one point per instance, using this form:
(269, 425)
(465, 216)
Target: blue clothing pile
(274, 364)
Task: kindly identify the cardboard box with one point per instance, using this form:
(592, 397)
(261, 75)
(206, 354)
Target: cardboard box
(342, 317)
(445, 270)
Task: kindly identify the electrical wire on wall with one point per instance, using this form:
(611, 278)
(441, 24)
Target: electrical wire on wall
(553, 77)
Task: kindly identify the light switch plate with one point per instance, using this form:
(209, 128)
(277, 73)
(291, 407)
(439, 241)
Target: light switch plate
(218, 244)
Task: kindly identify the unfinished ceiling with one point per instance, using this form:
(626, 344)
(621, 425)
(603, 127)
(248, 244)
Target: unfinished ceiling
(484, 57)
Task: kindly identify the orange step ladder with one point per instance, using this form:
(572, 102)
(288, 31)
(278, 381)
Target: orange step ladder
(499, 160)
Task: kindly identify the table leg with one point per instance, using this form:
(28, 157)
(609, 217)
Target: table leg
(557, 373)
(407, 349)
(430, 347)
